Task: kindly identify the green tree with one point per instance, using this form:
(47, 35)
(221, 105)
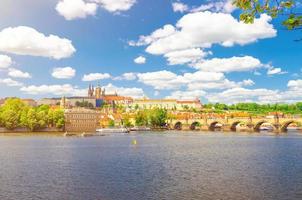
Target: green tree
(141, 118)
(292, 19)
(158, 117)
(111, 123)
(11, 113)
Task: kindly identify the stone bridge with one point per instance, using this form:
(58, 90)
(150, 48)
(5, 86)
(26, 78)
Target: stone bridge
(251, 124)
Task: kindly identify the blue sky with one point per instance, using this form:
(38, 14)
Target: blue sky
(159, 49)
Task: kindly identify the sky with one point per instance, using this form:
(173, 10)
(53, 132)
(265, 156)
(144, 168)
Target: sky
(180, 49)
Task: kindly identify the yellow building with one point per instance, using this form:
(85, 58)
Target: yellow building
(169, 104)
(81, 120)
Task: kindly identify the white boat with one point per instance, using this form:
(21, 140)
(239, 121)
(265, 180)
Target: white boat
(140, 129)
(102, 131)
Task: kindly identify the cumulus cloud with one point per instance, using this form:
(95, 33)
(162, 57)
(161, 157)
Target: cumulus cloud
(130, 76)
(274, 71)
(132, 92)
(10, 82)
(179, 7)
(185, 56)
(63, 72)
(224, 6)
(140, 60)
(292, 94)
(116, 5)
(222, 29)
(200, 80)
(5, 61)
(233, 64)
(73, 9)
(57, 90)
(166, 31)
(23, 40)
(15, 73)
(195, 31)
(96, 76)
(186, 95)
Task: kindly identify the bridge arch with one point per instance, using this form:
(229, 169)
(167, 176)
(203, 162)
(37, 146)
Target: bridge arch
(286, 124)
(178, 126)
(194, 125)
(260, 123)
(235, 124)
(214, 124)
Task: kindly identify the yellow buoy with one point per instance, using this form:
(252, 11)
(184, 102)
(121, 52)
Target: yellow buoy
(134, 142)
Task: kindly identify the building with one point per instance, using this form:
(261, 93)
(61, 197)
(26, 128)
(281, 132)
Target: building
(169, 104)
(49, 101)
(30, 102)
(81, 120)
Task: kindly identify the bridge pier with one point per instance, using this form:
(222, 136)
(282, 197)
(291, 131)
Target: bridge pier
(226, 127)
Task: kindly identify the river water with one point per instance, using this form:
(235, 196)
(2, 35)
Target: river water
(168, 166)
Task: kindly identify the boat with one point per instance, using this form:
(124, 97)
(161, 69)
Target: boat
(104, 131)
(140, 129)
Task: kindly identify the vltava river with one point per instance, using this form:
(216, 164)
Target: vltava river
(161, 166)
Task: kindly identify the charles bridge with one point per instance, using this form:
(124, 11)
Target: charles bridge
(251, 124)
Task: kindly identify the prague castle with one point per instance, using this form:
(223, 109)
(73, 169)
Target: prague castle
(97, 97)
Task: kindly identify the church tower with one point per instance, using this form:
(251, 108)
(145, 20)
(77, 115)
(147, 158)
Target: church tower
(90, 91)
(98, 92)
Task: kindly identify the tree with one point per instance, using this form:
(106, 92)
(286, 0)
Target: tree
(58, 118)
(158, 117)
(11, 113)
(111, 123)
(141, 118)
(274, 8)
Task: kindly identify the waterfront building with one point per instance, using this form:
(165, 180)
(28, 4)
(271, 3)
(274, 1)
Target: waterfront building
(169, 104)
(81, 120)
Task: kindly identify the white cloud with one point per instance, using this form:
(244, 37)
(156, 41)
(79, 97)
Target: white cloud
(247, 82)
(233, 64)
(130, 76)
(10, 82)
(237, 95)
(63, 72)
(116, 5)
(73, 9)
(23, 40)
(202, 29)
(96, 76)
(166, 31)
(185, 56)
(260, 95)
(179, 7)
(18, 73)
(225, 6)
(122, 91)
(5, 61)
(188, 95)
(274, 71)
(140, 60)
(200, 80)
(57, 90)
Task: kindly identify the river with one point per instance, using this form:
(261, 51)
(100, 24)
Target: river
(174, 166)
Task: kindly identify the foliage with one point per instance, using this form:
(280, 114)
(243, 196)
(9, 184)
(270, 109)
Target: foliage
(141, 118)
(111, 123)
(158, 117)
(257, 108)
(14, 113)
(274, 8)
(84, 104)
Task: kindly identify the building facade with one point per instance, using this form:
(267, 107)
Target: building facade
(169, 104)
(81, 120)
